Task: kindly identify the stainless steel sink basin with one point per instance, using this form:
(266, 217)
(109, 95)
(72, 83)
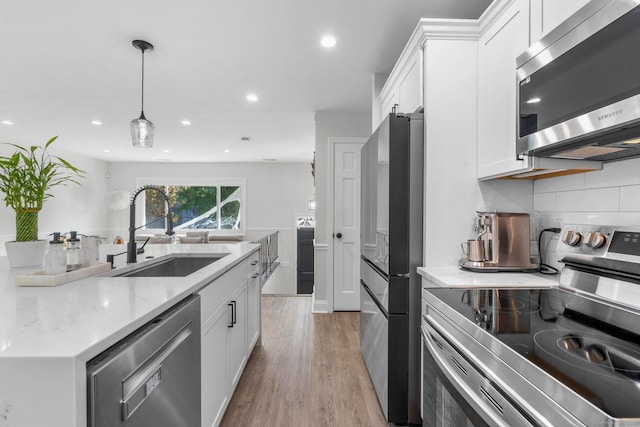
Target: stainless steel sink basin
(177, 265)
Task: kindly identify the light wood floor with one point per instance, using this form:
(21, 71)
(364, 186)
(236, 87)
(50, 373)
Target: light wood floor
(308, 372)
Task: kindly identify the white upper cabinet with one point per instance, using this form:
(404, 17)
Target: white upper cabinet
(547, 14)
(509, 28)
(500, 44)
(403, 87)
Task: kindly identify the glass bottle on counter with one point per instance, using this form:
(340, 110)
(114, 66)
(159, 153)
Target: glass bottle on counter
(74, 252)
(55, 259)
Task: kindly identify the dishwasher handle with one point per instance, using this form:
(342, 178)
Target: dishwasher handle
(138, 386)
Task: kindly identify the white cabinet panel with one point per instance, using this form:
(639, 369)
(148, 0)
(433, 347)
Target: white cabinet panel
(548, 14)
(388, 101)
(404, 85)
(238, 335)
(499, 46)
(254, 309)
(410, 85)
(215, 393)
(226, 305)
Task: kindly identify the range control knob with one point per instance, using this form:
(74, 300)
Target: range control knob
(572, 238)
(595, 239)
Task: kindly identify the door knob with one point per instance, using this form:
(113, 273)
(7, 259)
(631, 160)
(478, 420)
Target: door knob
(339, 235)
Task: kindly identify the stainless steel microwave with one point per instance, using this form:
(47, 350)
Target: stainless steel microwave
(578, 88)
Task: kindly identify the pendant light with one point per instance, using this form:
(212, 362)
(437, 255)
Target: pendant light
(141, 128)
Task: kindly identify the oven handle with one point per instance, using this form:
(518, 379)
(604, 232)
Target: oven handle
(494, 412)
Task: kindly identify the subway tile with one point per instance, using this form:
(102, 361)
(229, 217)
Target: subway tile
(614, 174)
(592, 200)
(604, 218)
(630, 198)
(544, 202)
(560, 183)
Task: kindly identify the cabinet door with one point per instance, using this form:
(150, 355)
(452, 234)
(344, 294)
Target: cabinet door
(548, 14)
(410, 84)
(499, 46)
(403, 87)
(254, 305)
(215, 385)
(389, 99)
(238, 335)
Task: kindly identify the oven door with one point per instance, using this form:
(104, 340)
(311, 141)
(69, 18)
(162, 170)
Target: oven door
(456, 394)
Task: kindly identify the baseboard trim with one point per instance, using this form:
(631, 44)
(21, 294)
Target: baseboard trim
(319, 306)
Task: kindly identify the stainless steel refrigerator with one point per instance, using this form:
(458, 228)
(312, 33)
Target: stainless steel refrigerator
(391, 251)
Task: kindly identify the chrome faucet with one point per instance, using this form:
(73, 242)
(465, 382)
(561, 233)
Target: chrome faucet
(131, 245)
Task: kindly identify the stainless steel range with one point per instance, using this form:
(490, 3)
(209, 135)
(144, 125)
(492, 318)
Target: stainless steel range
(567, 356)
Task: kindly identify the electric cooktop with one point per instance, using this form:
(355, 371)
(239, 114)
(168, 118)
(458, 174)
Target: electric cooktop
(597, 359)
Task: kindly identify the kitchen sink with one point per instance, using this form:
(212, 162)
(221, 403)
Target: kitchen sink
(177, 265)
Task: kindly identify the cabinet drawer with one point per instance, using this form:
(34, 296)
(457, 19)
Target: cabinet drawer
(254, 263)
(216, 292)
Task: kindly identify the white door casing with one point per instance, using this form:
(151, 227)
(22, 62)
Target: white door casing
(346, 223)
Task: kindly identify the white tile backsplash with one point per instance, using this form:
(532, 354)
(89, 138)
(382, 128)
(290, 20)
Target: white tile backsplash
(615, 174)
(545, 202)
(608, 197)
(560, 183)
(630, 198)
(589, 200)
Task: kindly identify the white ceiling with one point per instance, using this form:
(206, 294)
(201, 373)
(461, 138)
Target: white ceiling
(68, 62)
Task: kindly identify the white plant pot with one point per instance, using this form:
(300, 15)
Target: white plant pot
(25, 254)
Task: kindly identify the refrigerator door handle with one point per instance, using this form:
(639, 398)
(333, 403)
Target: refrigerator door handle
(375, 299)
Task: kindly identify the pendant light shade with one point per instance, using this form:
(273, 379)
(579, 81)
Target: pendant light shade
(142, 130)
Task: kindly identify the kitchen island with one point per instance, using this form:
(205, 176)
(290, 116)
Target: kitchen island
(47, 335)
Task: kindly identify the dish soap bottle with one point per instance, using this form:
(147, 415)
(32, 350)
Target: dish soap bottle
(74, 252)
(55, 259)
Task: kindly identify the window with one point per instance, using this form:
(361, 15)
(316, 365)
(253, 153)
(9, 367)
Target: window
(215, 205)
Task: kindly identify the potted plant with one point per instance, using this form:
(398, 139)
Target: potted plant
(26, 178)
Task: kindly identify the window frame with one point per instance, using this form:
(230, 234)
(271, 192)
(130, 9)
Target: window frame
(194, 182)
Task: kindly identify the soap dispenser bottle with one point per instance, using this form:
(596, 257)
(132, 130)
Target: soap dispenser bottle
(55, 259)
(74, 252)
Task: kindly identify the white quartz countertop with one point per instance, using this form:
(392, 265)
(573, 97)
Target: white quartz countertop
(452, 276)
(80, 319)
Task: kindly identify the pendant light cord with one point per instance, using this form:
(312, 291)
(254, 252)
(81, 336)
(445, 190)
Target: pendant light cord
(142, 102)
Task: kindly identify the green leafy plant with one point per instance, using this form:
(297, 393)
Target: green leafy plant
(26, 178)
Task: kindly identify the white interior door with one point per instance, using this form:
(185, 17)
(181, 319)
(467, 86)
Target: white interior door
(346, 227)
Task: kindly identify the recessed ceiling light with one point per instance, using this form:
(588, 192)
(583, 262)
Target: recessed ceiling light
(186, 122)
(166, 151)
(96, 122)
(328, 41)
(106, 151)
(252, 97)
(227, 151)
(7, 122)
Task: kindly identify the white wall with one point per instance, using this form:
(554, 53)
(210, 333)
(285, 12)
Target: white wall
(276, 194)
(81, 208)
(608, 197)
(329, 124)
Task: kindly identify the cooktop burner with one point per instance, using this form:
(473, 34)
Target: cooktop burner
(588, 352)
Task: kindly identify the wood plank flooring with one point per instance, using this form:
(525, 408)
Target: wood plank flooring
(308, 371)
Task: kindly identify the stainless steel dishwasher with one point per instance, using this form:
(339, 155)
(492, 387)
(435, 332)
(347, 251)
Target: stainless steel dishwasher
(152, 377)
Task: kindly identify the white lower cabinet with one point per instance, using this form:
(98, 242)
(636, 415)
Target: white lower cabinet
(227, 308)
(215, 342)
(238, 335)
(254, 307)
